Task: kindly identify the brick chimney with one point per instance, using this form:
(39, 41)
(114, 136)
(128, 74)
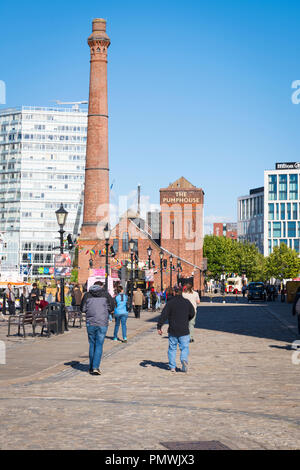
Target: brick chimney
(96, 191)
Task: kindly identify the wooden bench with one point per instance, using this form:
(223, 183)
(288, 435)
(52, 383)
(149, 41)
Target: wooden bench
(44, 319)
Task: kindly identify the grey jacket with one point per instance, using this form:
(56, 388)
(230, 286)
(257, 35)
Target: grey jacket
(97, 304)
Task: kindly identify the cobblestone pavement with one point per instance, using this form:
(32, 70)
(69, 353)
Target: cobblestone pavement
(241, 388)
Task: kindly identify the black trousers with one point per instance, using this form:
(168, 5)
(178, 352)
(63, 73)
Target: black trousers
(11, 308)
(137, 311)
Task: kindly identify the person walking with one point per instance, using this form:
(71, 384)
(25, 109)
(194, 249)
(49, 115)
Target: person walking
(194, 298)
(76, 297)
(153, 298)
(137, 302)
(121, 314)
(96, 304)
(179, 313)
(296, 307)
(11, 299)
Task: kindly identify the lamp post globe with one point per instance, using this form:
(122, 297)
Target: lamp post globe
(61, 216)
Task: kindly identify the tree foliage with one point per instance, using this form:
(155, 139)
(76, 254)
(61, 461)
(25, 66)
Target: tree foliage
(283, 263)
(230, 256)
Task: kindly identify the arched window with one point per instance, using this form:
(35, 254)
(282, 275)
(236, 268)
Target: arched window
(125, 241)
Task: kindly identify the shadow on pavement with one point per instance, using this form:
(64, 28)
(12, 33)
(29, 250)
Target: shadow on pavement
(78, 366)
(160, 365)
(242, 320)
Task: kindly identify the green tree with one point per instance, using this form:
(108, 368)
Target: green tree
(283, 263)
(234, 256)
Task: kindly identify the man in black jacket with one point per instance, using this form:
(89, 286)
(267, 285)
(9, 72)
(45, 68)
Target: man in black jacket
(178, 312)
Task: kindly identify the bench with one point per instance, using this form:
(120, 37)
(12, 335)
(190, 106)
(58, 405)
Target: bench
(74, 315)
(36, 318)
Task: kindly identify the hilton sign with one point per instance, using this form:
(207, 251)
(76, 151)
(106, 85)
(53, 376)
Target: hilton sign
(288, 166)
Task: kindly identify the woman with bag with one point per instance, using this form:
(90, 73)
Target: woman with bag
(121, 314)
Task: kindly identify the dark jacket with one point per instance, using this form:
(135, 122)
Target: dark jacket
(97, 304)
(178, 312)
(297, 297)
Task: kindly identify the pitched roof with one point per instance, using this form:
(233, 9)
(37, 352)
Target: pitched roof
(181, 183)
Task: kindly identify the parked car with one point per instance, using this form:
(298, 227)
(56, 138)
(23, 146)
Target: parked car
(256, 291)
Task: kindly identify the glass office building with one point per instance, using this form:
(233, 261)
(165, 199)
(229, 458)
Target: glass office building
(42, 163)
(250, 226)
(282, 207)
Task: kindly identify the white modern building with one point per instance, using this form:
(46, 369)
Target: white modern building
(42, 163)
(282, 206)
(250, 226)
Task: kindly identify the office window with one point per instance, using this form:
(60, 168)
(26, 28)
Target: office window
(282, 187)
(293, 187)
(271, 211)
(295, 211)
(276, 229)
(291, 229)
(116, 245)
(272, 187)
(296, 245)
(275, 243)
(284, 228)
(269, 229)
(282, 211)
(288, 208)
(277, 211)
(270, 246)
(283, 241)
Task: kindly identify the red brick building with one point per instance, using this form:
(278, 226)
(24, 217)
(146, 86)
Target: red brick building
(181, 237)
(181, 202)
(228, 230)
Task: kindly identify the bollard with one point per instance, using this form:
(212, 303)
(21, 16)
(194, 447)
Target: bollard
(211, 299)
(224, 299)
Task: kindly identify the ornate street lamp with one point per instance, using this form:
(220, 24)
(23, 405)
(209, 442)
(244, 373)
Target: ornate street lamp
(161, 255)
(131, 246)
(178, 270)
(106, 232)
(61, 217)
(171, 268)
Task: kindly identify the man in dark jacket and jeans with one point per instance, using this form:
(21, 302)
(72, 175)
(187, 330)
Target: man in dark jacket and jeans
(178, 312)
(97, 304)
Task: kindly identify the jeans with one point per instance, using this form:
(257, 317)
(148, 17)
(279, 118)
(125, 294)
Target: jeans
(121, 319)
(183, 342)
(96, 335)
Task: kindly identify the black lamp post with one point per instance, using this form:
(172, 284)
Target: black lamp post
(171, 269)
(131, 246)
(61, 217)
(178, 270)
(161, 255)
(149, 251)
(106, 232)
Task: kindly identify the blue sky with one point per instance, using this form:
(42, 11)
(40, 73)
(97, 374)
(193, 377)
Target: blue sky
(196, 89)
